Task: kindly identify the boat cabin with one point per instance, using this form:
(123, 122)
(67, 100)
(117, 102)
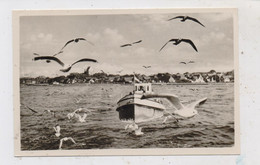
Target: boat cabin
(143, 88)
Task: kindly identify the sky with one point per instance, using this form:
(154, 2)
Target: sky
(46, 35)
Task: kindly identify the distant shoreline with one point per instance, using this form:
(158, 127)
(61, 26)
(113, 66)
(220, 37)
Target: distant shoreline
(157, 84)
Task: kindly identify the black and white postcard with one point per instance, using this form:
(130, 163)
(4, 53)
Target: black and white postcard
(126, 82)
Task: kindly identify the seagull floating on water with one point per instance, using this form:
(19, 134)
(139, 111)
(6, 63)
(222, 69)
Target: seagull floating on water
(184, 18)
(66, 139)
(76, 40)
(131, 43)
(178, 41)
(81, 60)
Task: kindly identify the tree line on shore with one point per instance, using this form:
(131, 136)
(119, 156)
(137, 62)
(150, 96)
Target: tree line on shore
(195, 77)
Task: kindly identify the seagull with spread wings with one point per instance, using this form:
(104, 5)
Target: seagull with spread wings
(131, 43)
(66, 139)
(183, 111)
(139, 132)
(184, 18)
(178, 41)
(48, 61)
(76, 40)
(183, 63)
(119, 71)
(81, 60)
(58, 53)
(131, 127)
(49, 58)
(82, 119)
(146, 67)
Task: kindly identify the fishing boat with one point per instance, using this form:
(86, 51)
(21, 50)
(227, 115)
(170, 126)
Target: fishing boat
(133, 107)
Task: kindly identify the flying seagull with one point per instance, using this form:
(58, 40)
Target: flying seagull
(48, 61)
(184, 18)
(71, 115)
(184, 111)
(169, 115)
(178, 41)
(76, 40)
(119, 71)
(77, 100)
(131, 127)
(191, 62)
(183, 63)
(82, 119)
(146, 67)
(139, 132)
(81, 60)
(66, 139)
(131, 43)
(49, 58)
(57, 130)
(58, 53)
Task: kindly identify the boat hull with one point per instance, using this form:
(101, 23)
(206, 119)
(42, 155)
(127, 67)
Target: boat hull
(133, 108)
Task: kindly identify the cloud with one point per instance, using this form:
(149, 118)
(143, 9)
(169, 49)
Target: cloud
(156, 22)
(217, 17)
(107, 38)
(107, 67)
(42, 38)
(214, 43)
(26, 46)
(93, 37)
(212, 37)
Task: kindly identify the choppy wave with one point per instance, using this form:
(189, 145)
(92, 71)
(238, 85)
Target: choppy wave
(213, 127)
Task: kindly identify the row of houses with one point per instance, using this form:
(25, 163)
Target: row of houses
(197, 77)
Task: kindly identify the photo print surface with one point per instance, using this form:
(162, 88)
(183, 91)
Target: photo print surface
(91, 82)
